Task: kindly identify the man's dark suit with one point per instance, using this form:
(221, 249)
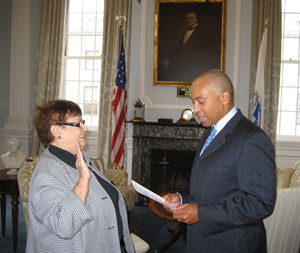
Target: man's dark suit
(233, 182)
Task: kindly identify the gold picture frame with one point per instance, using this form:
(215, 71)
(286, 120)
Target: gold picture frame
(176, 63)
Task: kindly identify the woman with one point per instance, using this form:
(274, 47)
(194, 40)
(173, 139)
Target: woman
(72, 207)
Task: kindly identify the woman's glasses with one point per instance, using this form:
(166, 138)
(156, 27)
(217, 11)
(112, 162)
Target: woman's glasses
(74, 124)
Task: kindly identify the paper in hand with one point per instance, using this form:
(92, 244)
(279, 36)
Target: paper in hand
(150, 194)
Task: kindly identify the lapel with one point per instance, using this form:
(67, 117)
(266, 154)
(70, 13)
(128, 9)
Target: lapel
(203, 140)
(221, 137)
(192, 37)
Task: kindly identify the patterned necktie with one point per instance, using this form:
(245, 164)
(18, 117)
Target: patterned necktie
(210, 137)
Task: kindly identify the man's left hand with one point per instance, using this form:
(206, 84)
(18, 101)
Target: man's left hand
(187, 213)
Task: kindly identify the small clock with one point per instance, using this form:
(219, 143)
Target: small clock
(187, 116)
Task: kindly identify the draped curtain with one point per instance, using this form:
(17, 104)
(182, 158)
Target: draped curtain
(113, 8)
(49, 56)
(267, 11)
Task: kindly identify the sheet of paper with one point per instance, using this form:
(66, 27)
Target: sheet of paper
(150, 194)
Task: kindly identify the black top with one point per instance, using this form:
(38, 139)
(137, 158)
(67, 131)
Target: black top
(70, 159)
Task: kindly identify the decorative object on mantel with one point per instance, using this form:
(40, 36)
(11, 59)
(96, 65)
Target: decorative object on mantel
(14, 158)
(187, 116)
(139, 111)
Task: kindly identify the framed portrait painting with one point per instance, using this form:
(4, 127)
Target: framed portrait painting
(189, 38)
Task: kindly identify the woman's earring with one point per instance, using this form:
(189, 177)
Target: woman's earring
(59, 137)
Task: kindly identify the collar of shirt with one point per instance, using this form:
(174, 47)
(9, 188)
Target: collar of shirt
(63, 155)
(192, 27)
(222, 122)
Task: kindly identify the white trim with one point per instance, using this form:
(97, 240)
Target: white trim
(129, 148)
(20, 67)
(235, 77)
(144, 98)
(287, 153)
(18, 122)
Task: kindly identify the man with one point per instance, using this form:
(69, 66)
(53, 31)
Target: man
(233, 184)
(197, 48)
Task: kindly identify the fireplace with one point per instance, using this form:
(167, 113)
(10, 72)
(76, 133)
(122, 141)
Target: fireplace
(163, 154)
(170, 169)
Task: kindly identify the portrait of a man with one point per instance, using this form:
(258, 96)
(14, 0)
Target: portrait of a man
(189, 40)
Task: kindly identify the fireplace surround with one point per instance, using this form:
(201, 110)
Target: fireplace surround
(166, 146)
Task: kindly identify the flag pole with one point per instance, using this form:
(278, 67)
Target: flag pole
(120, 19)
(258, 111)
(119, 105)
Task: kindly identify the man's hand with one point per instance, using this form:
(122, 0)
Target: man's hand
(187, 213)
(166, 63)
(173, 199)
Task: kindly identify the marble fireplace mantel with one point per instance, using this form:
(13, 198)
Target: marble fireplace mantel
(148, 136)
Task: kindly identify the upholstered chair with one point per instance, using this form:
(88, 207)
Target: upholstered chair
(24, 177)
(119, 179)
(283, 226)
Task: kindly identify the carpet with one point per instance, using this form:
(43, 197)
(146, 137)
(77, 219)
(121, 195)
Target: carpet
(7, 241)
(154, 230)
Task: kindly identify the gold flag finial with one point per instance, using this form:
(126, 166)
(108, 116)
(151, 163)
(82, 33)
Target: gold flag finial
(120, 19)
(266, 21)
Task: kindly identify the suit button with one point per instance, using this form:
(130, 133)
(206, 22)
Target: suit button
(192, 198)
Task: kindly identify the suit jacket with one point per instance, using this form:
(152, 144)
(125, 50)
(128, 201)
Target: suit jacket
(58, 219)
(234, 185)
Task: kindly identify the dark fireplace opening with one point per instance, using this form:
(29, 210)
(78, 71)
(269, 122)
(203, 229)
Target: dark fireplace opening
(170, 170)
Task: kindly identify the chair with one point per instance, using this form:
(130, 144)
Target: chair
(283, 226)
(119, 179)
(24, 177)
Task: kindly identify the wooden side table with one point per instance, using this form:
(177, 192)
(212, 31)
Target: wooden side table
(9, 186)
(159, 210)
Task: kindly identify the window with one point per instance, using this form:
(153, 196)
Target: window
(82, 62)
(90, 94)
(288, 123)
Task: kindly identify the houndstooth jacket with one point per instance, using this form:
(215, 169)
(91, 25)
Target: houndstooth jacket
(58, 219)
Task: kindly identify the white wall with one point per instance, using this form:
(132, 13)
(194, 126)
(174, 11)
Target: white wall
(161, 101)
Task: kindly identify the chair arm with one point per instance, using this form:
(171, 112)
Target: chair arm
(283, 226)
(118, 177)
(24, 178)
(99, 163)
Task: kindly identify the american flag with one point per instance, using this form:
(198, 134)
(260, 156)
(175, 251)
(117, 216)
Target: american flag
(119, 109)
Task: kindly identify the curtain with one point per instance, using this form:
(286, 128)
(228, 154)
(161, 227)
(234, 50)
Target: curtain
(270, 11)
(49, 56)
(110, 50)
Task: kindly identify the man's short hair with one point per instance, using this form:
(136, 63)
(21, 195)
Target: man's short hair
(218, 79)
